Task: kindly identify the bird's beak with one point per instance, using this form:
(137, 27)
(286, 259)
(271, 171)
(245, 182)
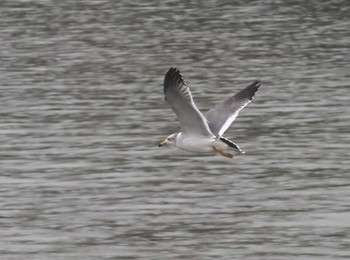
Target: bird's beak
(161, 143)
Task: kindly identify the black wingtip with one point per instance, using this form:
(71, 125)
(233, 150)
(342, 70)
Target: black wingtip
(248, 92)
(173, 73)
(172, 78)
(256, 84)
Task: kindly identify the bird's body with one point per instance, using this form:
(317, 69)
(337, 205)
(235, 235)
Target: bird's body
(202, 144)
(196, 144)
(203, 134)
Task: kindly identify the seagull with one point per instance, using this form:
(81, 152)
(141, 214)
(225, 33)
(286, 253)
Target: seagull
(203, 133)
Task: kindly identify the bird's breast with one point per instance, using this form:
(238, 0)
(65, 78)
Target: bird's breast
(195, 144)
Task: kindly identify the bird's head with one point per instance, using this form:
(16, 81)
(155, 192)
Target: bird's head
(171, 139)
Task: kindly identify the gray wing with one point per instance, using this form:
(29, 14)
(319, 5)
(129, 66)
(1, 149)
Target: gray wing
(179, 97)
(223, 114)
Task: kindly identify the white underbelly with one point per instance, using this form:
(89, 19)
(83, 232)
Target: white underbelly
(196, 144)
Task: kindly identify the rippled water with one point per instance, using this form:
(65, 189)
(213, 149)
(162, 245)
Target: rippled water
(82, 111)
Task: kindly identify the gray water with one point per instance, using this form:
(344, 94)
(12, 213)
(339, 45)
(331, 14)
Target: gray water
(82, 111)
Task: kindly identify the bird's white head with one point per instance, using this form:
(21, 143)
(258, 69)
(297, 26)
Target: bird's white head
(171, 139)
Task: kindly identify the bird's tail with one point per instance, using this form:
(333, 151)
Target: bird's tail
(231, 144)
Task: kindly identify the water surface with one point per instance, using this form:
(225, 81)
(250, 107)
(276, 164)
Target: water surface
(82, 111)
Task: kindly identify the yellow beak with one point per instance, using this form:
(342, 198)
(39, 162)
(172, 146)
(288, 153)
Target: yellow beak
(161, 143)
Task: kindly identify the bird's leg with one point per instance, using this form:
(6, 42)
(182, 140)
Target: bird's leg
(228, 155)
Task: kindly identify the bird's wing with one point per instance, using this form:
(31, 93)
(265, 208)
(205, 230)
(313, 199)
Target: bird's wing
(179, 97)
(223, 114)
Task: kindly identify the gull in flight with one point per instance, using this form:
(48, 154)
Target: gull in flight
(203, 133)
